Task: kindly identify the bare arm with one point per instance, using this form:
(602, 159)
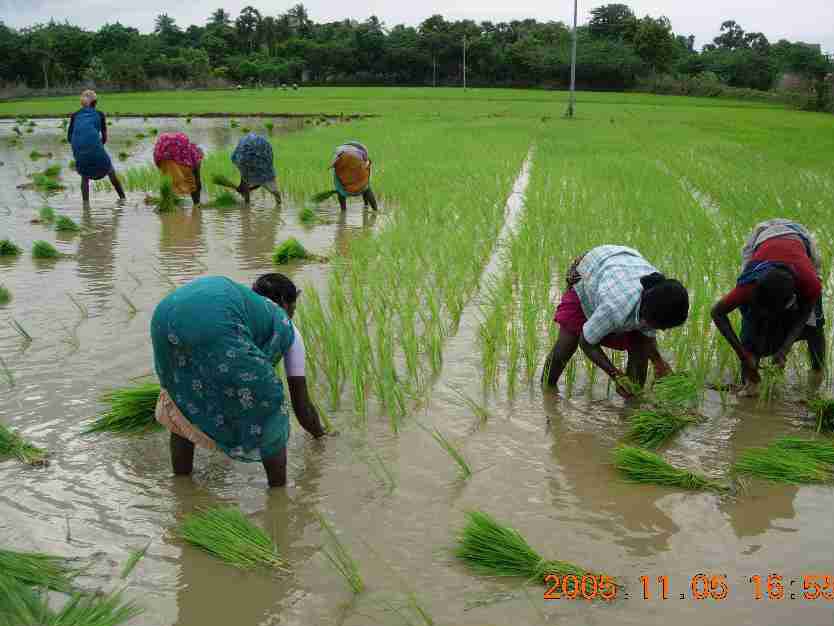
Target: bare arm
(794, 333)
(720, 317)
(598, 357)
(306, 413)
(661, 367)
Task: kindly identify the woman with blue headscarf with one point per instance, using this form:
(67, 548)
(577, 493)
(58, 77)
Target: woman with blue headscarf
(215, 345)
(87, 134)
(253, 158)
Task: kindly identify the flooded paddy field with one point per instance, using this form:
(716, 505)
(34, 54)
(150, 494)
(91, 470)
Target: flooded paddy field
(541, 462)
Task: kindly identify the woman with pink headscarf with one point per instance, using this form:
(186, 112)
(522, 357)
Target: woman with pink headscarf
(178, 158)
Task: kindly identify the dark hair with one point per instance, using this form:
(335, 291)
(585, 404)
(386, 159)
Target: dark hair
(276, 287)
(773, 291)
(665, 301)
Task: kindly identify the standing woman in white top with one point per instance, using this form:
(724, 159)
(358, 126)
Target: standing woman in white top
(216, 344)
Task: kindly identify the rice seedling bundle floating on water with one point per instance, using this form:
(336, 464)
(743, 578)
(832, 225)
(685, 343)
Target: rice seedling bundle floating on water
(8, 248)
(37, 569)
(132, 411)
(821, 450)
(323, 195)
(66, 224)
(288, 250)
(12, 444)
(492, 548)
(307, 215)
(227, 534)
(225, 199)
(652, 428)
(823, 409)
(44, 250)
(53, 171)
(223, 181)
(46, 183)
(677, 390)
(783, 465)
(46, 214)
(641, 466)
(5, 294)
(35, 155)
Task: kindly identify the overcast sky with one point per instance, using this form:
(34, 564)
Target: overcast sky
(811, 21)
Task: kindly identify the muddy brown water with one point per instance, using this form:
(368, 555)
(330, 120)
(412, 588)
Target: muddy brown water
(542, 463)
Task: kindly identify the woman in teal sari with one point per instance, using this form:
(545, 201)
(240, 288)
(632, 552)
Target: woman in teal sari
(216, 344)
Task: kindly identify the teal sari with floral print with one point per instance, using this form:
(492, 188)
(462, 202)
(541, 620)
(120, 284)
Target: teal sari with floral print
(216, 344)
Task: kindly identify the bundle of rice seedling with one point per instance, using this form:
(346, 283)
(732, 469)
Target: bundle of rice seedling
(12, 444)
(44, 250)
(66, 224)
(154, 131)
(71, 165)
(223, 181)
(234, 123)
(135, 557)
(457, 456)
(641, 466)
(140, 136)
(821, 450)
(8, 248)
(340, 558)
(269, 127)
(46, 214)
(123, 156)
(5, 294)
(307, 215)
(288, 250)
(132, 411)
(53, 171)
(168, 200)
(21, 605)
(772, 384)
(823, 409)
(783, 465)
(46, 183)
(635, 389)
(38, 570)
(35, 155)
(225, 200)
(678, 390)
(323, 195)
(227, 534)
(245, 130)
(651, 429)
(494, 549)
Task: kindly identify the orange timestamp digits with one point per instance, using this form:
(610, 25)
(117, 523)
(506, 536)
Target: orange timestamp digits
(814, 587)
(588, 587)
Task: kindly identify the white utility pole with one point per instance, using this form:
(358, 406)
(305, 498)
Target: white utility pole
(572, 102)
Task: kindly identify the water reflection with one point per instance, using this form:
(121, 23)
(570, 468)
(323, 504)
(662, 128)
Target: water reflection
(97, 251)
(345, 233)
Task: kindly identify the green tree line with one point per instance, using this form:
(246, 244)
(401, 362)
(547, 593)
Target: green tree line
(616, 50)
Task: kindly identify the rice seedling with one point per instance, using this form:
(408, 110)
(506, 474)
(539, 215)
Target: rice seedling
(123, 156)
(823, 410)
(140, 136)
(784, 465)
(772, 384)
(651, 428)
(131, 307)
(635, 389)
(53, 171)
(131, 411)
(82, 308)
(306, 215)
(133, 560)
(821, 450)
(678, 390)
(226, 533)
(36, 569)
(8, 248)
(245, 130)
(478, 409)
(234, 123)
(12, 444)
(66, 224)
(269, 127)
(18, 328)
(340, 558)
(7, 372)
(5, 294)
(95, 610)
(641, 466)
(44, 250)
(187, 120)
(46, 214)
(167, 200)
(30, 130)
(323, 195)
(464, 471)
(223, 181)
(225, 200)
(35, 155)
(494, 549)
(379, 468)
(154, 132)
(46, 184)
(71, 165)
(288, 250)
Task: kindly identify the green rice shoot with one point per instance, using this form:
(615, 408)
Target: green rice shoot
(20, 330)
(39, 570)
(47, 214)
(46, 184)
(53, 171)
(495, 549)
(225, 200)
(307, 215)
(821, 450)
(66, 224)
(168, 200)
(823, 410)
(288, 250)
(678, 390)
(131, 411)
(12, 444)
(652, 428)
(5, 294)
(133, 560)
(227, 534)
(642, 466)
(340, 558)
(323, 195)
(635, 389)
(8, 248)
(772, 385)
(783, 465)
(223, 181)
(44, 250)
(464, 471)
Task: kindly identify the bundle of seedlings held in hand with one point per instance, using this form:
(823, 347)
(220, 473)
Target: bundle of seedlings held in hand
(167, 200)
(12, 444)
(225, 532)
(789, 460)
(132, 411)
(672, 395)
(823, 410)
(642, 466)
(494, 549)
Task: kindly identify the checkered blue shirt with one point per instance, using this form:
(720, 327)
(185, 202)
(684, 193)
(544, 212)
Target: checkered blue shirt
(610, 291)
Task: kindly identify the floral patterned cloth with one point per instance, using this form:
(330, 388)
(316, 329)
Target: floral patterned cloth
(253, 157)
(215, 346)
(177, 147)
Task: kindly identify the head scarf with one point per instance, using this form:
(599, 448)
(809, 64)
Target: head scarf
(88, 97)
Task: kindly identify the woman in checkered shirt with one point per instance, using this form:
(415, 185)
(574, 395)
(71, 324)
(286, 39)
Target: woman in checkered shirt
(615, 298)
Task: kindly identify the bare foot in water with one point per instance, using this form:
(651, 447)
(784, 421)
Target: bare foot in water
(750, 390)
